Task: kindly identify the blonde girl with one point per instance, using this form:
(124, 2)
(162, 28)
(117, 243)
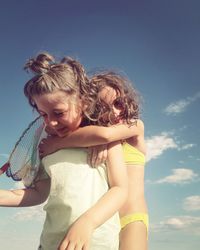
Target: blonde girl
(116, 105)
(83, 201)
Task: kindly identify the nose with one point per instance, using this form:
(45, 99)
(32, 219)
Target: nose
(51, 122)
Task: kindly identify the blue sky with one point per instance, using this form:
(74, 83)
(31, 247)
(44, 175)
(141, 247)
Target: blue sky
(156, 43)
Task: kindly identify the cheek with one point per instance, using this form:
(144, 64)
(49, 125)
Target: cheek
(77, 112)
(69, 118)
(65, 119)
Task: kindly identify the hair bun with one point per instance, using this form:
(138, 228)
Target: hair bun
(41, 64)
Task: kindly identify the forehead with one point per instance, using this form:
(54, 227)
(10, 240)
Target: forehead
(52, 100)
(108, 94)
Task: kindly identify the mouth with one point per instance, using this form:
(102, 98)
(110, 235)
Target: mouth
(62, 131)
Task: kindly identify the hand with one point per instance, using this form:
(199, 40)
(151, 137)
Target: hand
(48, 145)
(78, 236)
(97, 155)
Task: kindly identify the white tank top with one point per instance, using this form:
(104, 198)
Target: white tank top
(75, 187)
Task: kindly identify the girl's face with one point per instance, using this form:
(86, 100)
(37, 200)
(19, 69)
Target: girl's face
(109, 95)
(61, 112)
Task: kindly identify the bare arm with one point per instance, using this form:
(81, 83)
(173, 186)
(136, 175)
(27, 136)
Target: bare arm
(25, 197)
(91, 136)
(117, 194)
(97, 135)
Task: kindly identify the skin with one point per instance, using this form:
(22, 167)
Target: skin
(62, 118)
(60, 115)
(134, 235)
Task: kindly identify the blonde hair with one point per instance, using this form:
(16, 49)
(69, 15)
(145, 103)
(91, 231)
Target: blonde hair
(67, 75)
(128, 99)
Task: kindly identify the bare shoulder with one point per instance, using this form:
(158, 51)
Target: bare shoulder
(139, 124)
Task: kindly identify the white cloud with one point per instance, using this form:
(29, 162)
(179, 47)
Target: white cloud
(181, 105)
(157, 144)
(180, 223)
(192, 203)
(179, 176)
(186, 146)
(176, 223)
(177, 107)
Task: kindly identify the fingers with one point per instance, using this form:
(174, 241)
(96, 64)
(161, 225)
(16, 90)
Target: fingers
(89, 153)
(79, 247)
(93, 157)
(41, 148)
(70, 246)
(65, 245)
(104, 154)
(86, 247)
(97, 155)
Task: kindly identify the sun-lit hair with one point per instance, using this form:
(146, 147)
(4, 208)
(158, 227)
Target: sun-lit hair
(128, 99)
(69, 75)
(49, 75)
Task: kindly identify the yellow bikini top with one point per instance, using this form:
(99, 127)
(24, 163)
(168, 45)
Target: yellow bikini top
(132, 155)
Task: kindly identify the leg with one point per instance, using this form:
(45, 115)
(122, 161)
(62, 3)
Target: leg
(134, 236)
(134, 213)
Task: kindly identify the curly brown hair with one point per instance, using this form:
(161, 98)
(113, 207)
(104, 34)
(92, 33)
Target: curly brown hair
(128, 99)
(69, 75)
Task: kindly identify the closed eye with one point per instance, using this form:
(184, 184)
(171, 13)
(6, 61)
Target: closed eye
(59, 114)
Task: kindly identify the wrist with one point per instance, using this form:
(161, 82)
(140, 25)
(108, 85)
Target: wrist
(89, 219)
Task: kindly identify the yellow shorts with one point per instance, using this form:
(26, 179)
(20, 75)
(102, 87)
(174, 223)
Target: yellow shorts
(127, 219)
